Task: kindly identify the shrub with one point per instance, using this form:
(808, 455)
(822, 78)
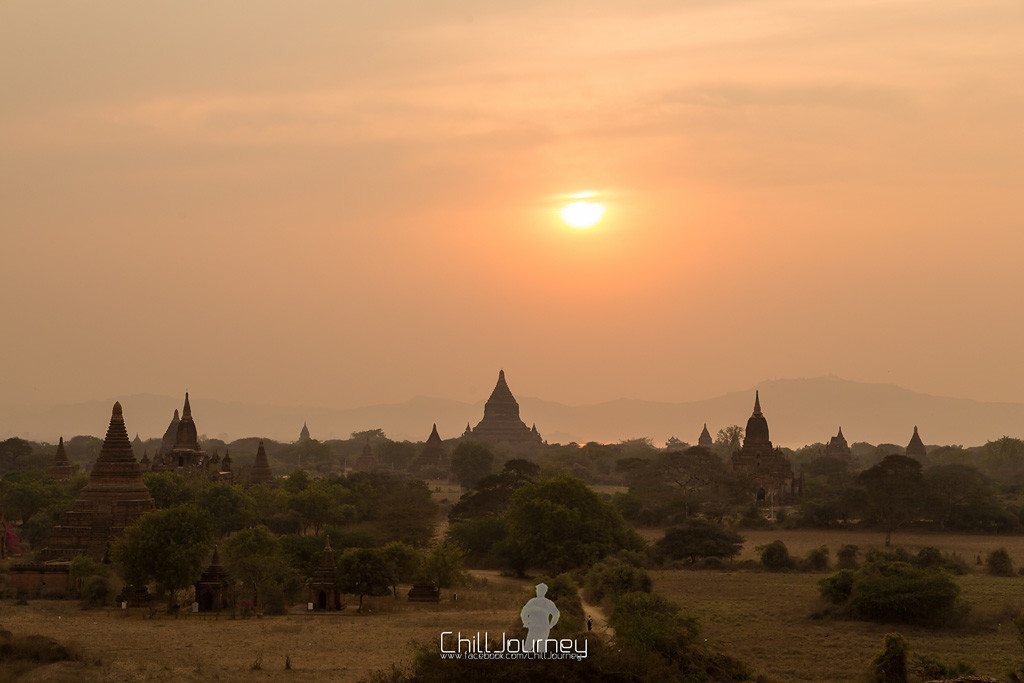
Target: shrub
(930, 557)
(998, 563)
(95, 592)
(846, 558)
(838, 587)
(890, 665)
(929, 668)
(898, 592)
(817, 560)
(33, 648)
(775, 556)
(612, 577)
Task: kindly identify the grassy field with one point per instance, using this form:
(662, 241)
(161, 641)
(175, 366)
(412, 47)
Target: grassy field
(765, 620)
(343, 646)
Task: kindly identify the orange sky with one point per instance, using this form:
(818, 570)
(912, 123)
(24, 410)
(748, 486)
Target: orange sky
(343, 203)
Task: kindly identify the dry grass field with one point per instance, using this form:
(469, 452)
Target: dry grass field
(765, 620)
(344, 647)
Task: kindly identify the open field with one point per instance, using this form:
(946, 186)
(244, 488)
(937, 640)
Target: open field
(343, 646)
(801, 541)
(765, 620)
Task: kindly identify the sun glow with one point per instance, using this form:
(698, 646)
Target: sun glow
(582, 212)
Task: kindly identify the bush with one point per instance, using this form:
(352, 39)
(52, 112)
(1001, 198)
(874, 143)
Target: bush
(33, 648)
(998, 563)
(929, 668)
(896, 592)
(846, 558)
(890, 666)
(817, 560)
(930, 557)
(775, 556)
(95, 592)
(612, 577)
(838, 587)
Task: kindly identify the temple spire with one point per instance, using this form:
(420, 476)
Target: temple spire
(187, 410)
(757, 402)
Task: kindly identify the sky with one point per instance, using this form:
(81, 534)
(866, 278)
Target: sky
(350, 203)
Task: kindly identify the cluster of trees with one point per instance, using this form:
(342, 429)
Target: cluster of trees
(381, 526)
(899, 491)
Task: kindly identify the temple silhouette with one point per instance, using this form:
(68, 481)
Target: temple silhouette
(766, 465)
(501, 422)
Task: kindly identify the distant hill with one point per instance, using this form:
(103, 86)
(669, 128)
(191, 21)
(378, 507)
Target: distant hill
(799, 411)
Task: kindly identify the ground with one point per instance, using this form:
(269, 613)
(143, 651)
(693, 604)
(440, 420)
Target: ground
(762, 618)
(343, 646)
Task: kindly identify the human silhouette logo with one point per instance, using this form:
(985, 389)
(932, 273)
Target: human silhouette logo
(539, 616)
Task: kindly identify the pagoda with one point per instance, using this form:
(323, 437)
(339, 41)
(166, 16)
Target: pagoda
(114, 498)
(213, 589)
(60, 467)
(705, 440)
(501, 422)
(758, 459)
(916, 449)
(186, 453)
(433, 456)
(367, 460)
(304, 433)
(260, 472)
(837, 447)
(170, 435)
(323, 585)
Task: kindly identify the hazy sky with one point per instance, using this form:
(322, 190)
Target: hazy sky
(343, 203)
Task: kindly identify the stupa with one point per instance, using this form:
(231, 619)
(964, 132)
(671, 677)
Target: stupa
(323, 585)
(114, 498)
(260, 472)
(213, 587)
(916, 449)
(767, 466)
(60, 467)
(501, 422)
(434, 456)
(367, 460)
(705, 440)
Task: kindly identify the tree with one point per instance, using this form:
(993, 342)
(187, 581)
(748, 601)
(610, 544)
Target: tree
(254, 557)
(407, 513)
(169, 489)
(168, 547)
(443, 565)
(728, 440)
(229, 505)
(697, 538)
(365, 571)
(560, 524)
(892, 492)
(405, 563)
(890, 665)
(471, 462)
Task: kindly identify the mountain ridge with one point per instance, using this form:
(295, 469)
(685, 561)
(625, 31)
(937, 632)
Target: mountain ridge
(799, 411)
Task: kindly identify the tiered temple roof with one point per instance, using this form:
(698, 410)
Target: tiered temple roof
(434, 455)
(60, 467)
(837, 447)
(114, 498)
(323, 590)
(260, 472)
(367, 460)
(758, 459)
(171, 435)
(186, 453)
(916, 449)
(501, 422)
(705, 440)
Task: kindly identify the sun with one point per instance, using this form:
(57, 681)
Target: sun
(582, 213)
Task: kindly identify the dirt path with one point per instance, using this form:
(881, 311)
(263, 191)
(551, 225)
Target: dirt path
(601, 625)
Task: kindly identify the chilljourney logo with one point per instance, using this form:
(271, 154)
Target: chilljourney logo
(539, 616)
